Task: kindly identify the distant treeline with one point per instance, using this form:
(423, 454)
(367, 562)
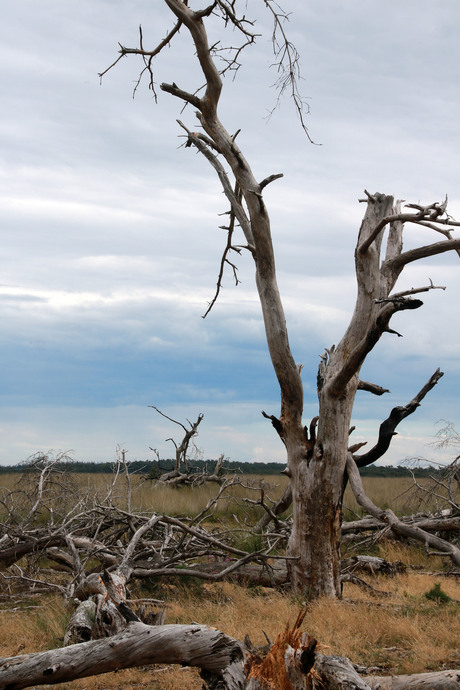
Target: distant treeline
(153, 469)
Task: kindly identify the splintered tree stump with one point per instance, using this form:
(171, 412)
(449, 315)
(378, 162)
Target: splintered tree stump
(288, 664)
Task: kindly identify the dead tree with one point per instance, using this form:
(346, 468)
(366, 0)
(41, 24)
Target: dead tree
(398, 526)
(130, 544)
(182, 459)
(184, 472)
(316, 453)
(444, 485)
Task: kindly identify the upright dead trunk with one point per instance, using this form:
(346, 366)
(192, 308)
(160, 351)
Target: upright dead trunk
(317, 486)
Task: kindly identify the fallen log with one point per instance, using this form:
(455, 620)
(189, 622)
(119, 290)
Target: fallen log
(371, 565)
(438, 680)
(433, 523)
(137, 645)
(337, 673)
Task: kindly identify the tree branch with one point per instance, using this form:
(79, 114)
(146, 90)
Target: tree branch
(377, 326)
(429, 216)
(398, 527)
(174, 90)
(372, 388)
(397, 414)
(194, 23)
(235, 203)
(402, 260)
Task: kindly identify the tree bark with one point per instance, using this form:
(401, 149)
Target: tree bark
(316, 484)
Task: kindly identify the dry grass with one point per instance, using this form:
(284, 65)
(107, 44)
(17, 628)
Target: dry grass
(405, 632)
(397, 493)
(148, 496)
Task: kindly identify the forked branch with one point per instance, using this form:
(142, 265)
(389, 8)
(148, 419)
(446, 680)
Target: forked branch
(429, 216)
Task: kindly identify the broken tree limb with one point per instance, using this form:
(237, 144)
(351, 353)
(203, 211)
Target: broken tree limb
(429, 523)
(372, 388)
(397, 414)
(279, 507)
(397, 525)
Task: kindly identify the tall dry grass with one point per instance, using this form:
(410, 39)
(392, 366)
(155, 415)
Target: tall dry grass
(398, 493)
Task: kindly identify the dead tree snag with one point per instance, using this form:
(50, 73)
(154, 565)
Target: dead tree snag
(316, 462)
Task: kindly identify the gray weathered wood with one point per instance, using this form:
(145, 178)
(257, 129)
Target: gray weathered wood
(398, 526)
(438, 680)
(80, 627)
(337, 673)
(137, 645)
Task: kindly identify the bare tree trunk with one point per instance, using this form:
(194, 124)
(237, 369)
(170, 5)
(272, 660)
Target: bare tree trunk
(317, 487)
(288, 664)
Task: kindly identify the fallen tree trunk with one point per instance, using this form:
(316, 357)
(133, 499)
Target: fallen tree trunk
(438, 680)
(371, 565)
(337, 673)
(425, 522)
(137, 645)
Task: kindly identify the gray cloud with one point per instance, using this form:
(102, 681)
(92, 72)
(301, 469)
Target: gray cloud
(110, 239)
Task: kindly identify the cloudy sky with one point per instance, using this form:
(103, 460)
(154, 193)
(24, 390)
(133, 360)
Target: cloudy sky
(110, 242)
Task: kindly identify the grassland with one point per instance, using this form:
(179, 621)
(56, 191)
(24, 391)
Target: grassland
(401, 631)
(148, 496)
